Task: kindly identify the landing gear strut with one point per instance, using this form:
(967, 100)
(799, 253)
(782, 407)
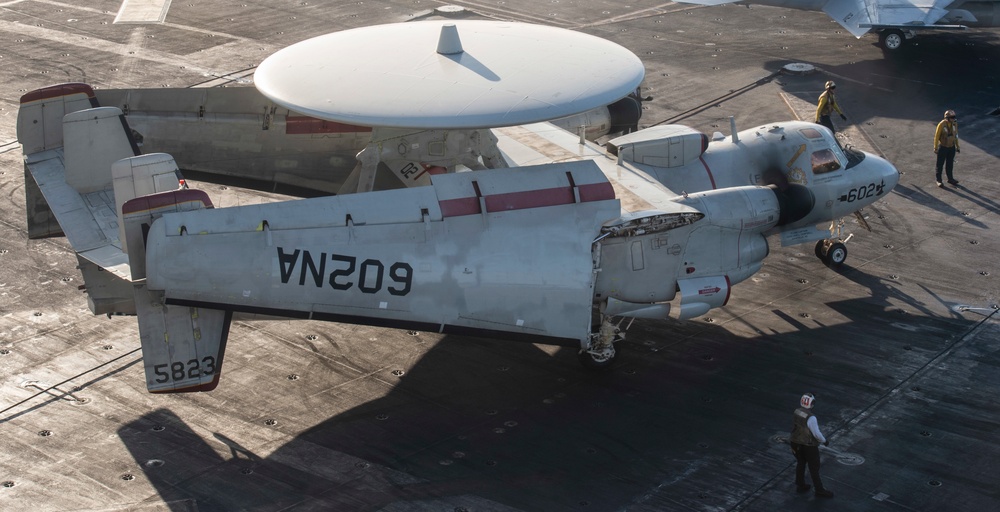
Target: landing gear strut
(599, 353)
(833, 250)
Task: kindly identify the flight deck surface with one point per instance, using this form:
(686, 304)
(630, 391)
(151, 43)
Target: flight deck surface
(900, 345)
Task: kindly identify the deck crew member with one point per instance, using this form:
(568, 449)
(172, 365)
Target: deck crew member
(946, 145)
(805, 440)
(827, 104)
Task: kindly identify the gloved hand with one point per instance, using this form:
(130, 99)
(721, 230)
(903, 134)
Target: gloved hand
(958, 150)
(842, 116)
(827, 443)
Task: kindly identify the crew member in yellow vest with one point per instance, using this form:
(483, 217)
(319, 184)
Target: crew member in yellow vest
(946, 145)
(805, 440)
(827, 104)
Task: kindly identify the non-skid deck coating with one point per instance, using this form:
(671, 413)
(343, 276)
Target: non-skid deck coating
(900, 346)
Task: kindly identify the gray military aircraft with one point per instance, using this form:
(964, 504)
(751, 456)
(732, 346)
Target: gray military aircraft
(895, 21)
(508, 226)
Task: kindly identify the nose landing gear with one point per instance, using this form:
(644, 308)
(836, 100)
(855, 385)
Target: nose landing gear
(832, 252)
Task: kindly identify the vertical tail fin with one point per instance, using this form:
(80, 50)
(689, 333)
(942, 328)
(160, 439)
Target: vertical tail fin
(182, 346)
(40, 117)
(142, 176)
(95, 138)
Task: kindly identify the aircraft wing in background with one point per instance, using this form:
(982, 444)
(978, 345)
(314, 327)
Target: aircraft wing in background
(860, 16)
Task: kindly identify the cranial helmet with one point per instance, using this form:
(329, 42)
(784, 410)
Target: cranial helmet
(949, 113)
(807, 400)
(830, 84)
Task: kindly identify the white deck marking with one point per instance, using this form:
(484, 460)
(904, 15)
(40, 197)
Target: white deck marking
(143, 11)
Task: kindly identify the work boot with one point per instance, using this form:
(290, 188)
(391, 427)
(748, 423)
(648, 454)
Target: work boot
(802, 488)
(953, 182)
(823, 493)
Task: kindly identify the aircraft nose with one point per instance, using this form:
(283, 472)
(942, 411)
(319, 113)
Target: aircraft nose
(888, 172)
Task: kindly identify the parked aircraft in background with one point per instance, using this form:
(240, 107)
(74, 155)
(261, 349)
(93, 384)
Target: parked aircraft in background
(895, 21)
(508, 226)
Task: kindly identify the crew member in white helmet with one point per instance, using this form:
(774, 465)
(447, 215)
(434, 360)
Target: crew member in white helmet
(805, 440)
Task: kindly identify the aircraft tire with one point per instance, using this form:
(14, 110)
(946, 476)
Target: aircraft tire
(592, 364)
(891, 40)
(836, 255)
(821, 250)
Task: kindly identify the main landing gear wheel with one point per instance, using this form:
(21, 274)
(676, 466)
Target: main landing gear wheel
(600, 353)
(832, 252)
(891, 40)
(598, 359)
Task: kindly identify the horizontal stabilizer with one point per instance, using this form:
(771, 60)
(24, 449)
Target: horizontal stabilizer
(108, 283)
(70, 143)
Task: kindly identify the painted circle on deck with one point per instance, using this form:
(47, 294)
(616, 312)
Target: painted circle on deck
(392, 76)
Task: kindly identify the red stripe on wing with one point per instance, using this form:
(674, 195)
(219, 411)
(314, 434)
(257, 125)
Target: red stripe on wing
(302, 125)
(527, 199)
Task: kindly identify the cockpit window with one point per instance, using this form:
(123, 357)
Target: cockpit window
(811, 133)
(854, 157)
(824, 161)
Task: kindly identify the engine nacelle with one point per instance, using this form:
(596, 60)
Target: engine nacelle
(718, 241)
(750, 208)
(638, 257)
(664, 146)
(730, 240)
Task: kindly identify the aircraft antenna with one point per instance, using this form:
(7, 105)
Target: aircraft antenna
(449, 42)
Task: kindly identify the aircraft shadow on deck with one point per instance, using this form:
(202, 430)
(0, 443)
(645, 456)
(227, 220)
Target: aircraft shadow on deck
(480, 421)
(922, 194)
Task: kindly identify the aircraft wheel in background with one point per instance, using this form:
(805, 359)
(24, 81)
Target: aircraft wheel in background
(821, 249)
(891, 39)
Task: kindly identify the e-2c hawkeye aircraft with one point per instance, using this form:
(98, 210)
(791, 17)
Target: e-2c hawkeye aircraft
(895, 21)
(515, 229)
